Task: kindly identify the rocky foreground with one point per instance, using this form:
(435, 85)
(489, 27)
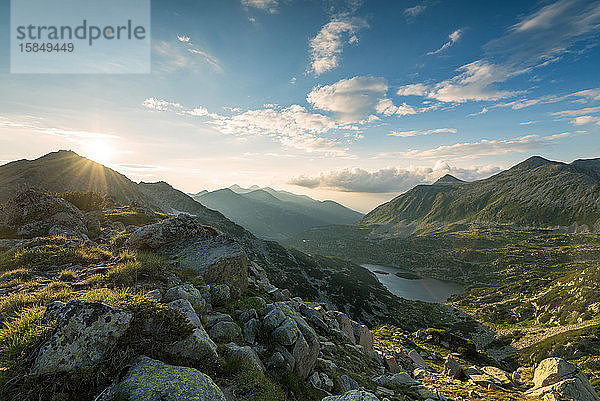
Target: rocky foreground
(164, 308)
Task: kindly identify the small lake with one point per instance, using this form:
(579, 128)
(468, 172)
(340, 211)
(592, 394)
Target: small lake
(422, 289)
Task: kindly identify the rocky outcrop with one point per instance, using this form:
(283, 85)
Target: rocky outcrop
(148, 380)
(353, 395)
(85, 332)
(154, 236)
(563, 380)
(33, 213)
(245, 353)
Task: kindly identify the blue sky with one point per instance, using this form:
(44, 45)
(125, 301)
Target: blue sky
(355, 101)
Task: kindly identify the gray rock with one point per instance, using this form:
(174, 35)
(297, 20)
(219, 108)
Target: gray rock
(198, 347)
(183, 306)
(347, 383)
(219, 294)
(154, 236)
(287, 333)
(452, 368)
(250, 314)
(85, 332)
(250, 329)
(397, 378)
(364, 337)
(148, 380)
(314, 317)
(217, 259)
(216, 317)
(345, 324)
(246, 353)
(326, 382)
(353, 395)
(277, 361)
(562, 379)
(225, 332)
(417, 359)
(273, 319)
(34, 213)
(189, 293)
(154, 294)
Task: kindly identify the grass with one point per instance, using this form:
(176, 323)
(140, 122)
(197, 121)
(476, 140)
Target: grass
(137, 267)
(130, 216)
(51, 252)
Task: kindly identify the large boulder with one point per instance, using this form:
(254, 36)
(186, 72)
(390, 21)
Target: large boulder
(353, 395)
(148, 380)
(33, 213)
(189, 293)
(558, 377)
(246, 353)
(154, 236)
(364, 337)
(225, 331)
(85, 332)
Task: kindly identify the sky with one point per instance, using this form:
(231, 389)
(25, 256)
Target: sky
(355, 101)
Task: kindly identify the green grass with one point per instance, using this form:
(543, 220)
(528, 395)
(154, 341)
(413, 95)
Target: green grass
(137, 267)
(129, 216)
(51, 252)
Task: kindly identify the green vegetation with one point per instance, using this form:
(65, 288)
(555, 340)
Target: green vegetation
(137, 267)
(52, 252)
(130, 216)
(87, 201)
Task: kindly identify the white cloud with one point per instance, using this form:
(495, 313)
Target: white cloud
(293, 80)
(183, 38)
(412, 12)
(454, 37)
(475, 82)
(327, 45)
(548, 33)
(406, 134)
(483, 111)
(387, 108)
(182, 54)
(350, 99)
(564, 135)
(270, 6)
(485, 147)
(391, 179)
(583, 120)
(578, 112)
(527, 122)
(293, 126)
(591, 94)
(413, 89)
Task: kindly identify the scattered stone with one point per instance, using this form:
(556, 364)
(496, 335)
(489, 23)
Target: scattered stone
(417, 359)
(198, 347)
(364, 337)
(452, 368)
(563, 379)
(225, 331)
(501, 376)
(398, 378)
(189, 293)
(85, 332)
(246, 353)
(149, 379)
(250, 329)
(391, 364)
(347, 383)
(183, 306)
(219, 294)
(353, 395)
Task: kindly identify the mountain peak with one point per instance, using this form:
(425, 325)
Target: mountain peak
(448, 179)
(534, 162)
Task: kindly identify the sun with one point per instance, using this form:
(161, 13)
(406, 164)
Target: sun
(99, 151)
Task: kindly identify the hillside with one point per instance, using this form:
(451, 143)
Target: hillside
(536, 192)
(272, 214)
(315, 278)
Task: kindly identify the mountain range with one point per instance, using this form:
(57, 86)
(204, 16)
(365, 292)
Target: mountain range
(536, 192)
(273, 214)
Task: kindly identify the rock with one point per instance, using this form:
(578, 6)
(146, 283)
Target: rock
(452, 368)
(33, 213)
(364, 337)
(353, 395)
(472, 370)
(326, 382)
(305, 359)
(314, 316)
(398, 378)
(219, 294)
(225, 332)
(347, 383)
(501, 376)
(154, 236)
(189, 293)
(315, 380)
(149, 379)
(417, 359)
(217, 259)
(198, 347)
(484, 380)
(216, 317)
(563, 379)
(273, 319)
(250, 329)
(345, 324)
(154, 294)
(290, 361)
(246, 353)
(85, 332)
(287, 333)
(249, 314)
(183, 306)
(391, 364)
(277, 361)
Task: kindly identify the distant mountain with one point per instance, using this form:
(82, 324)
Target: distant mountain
(536, 192)
(273, 214)
(342, 284)
(448, 180)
